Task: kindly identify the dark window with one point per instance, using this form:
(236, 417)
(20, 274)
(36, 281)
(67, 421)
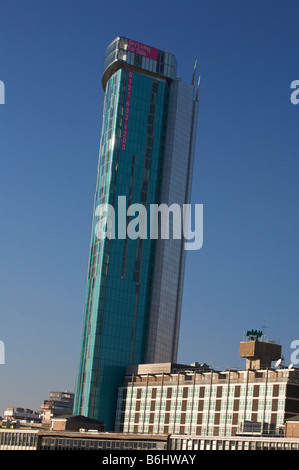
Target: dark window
(137, 60)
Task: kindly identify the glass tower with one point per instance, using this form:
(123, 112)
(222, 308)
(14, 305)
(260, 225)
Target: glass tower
(134, 285)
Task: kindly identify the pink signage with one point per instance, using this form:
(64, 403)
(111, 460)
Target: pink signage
(142, 49)
(127, 110)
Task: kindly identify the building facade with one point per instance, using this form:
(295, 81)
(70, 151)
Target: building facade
(196, 400)
(101, 441)
(181, 443)
(58, 403)
(134, 284)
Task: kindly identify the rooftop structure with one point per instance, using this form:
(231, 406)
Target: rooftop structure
(258, 351)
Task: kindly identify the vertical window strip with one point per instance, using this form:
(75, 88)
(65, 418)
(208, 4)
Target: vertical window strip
(131, 190)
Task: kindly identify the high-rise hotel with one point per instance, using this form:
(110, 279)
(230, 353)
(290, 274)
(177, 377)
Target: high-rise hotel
(134, 285)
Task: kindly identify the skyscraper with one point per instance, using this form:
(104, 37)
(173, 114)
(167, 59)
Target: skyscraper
(134, 285)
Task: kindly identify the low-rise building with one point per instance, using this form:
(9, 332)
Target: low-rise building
(198, 443)
(91, 440)
(76, 423)
(13, 413)
(197, 400)
(18, 439)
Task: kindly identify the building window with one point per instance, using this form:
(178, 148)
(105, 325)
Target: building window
(230, 405)
(282, 390)
(261, 404)
(268, 405)
(281, 404)
(279, 420)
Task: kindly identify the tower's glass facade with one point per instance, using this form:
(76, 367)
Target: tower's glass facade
(134, 286)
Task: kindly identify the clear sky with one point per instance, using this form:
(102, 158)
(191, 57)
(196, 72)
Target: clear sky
(246, 175)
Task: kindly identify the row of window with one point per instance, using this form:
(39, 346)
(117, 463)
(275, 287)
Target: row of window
(207, 405)
(194, 392)
(224, 416)
(95, 444)
(205, 430)
(191, 426)
(205, 444)
(18, 439)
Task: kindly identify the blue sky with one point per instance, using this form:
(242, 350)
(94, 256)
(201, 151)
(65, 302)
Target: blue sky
(246, 175)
